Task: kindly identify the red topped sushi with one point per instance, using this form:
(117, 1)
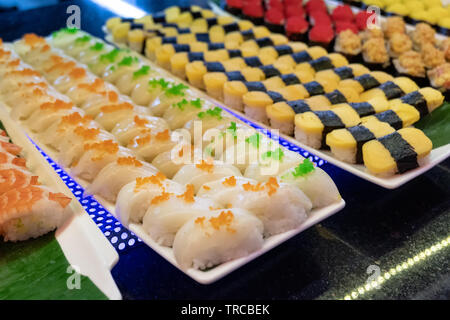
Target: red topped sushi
(253, 11)
(275, 4)
(320, 17)
(321, 34)
(342, 13)
(274, 20)
(315, 5)
(294, 10)
(234, 6)
(361, 19)
(296, 28)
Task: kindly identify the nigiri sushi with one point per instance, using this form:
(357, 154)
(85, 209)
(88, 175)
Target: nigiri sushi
(148, 145)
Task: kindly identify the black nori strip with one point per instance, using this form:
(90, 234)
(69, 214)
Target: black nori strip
(275, 96)
(290, 78)
(195, 56)
(391, 90)
(158, 18)
(301, 56)
(135, 25)
(336, 97)
(169, 40)
(211, 22)
(344, 72)
(270, 71)
(255, 86)
(417, 100)
(247, 34)
(253, 61)
(403, 153)
(314, 88)
(127, 19)
(216, 45)
(330, 121)
(214, 67)
(181, 47)
(196, 15)
(390, 117)
(299, 106)
(264, 42)
(363, 108)
(232, 53)
(367, 81)
(144, 45)
(184, 9)
(361, 135)
(202, 37)
(321, 63)
(169, 25)
(234, 26)
(235, 76)
(283, 49)
(184, 30)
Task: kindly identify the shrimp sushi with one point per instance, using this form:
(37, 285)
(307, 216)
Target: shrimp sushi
(117, 174)
(222, 235)
(400, 151)
(12, 176)
(280, 206)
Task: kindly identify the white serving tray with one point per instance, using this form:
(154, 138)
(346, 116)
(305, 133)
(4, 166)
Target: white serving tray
(81, 240)
(436, 156)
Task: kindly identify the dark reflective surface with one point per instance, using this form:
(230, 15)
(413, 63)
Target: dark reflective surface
(379, 228)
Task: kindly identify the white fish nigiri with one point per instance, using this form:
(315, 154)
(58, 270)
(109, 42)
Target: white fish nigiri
(222, 235)
(148, 144)
(130, 127)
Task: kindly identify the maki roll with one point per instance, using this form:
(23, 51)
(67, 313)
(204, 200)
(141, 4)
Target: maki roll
(398, 116)
(440, 78)
(375, 54)
(410, 64)
(297, 28)
(398, 152)
(349, 44)
(274, 20)
(312, 127)
(346, 144)
(366, 81)
(391, 89)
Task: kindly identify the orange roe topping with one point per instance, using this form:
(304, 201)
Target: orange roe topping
(205, 166)
(129, 161)
(33, 39)
(228, 206)
(60, 198)
(77, 73)
(230, 182)
(25, 72)
(200, 220)
(206, 187)
(57, 105)
(92, 87)
(108, 146)
(61, 65)
(4, 53)
(272, 185)
(38, 92)
(188, 196)
(141, 122)
(113, 96)
(164, 135)
(87, 133)
(154, 179)
(144, 140)
(250, 187)
(14, 63)
(75, 118)
(117, 107)
(37, 84)
(45, 48)
(56, 59)
(161, 198)
(224, 219)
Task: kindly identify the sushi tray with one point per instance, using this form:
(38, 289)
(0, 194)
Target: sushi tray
(83, 244)
(317, 88)
(121, 153)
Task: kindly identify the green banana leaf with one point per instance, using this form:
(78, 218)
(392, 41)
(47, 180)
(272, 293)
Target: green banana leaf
(38, 269)
(436, 125)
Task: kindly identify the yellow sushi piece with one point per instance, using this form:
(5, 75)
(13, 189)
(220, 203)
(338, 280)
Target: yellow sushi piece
(330, 61)
(284, 49)
(281, 116)
(376, 105)
(312, 127)
(399, 116)
(325, 101)
(271, 40)
(135, 39)
(311, 53)
(425, 100)
(391, 89)
(112, 22)
(120, 32)
(346, 144)
(367, 81)
(398, 152)
(343, 73)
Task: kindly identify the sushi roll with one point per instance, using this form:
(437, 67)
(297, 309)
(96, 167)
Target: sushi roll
(116, 175)
(315, 183)
(280, 206)
(398, 152)
(218, 237)
(399, 116)
(366, 81)
(240, 36)
(31, 211)
(349, 44)
(346, 144)
(133, 199)
(391, 89)
(312, 127)
(375, 54)
(410, 64)
(425, 100)
(203, 172)
(297, 28)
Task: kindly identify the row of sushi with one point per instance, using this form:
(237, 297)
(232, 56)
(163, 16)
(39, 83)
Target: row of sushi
(209, 211)
(418, 53)
(340, 95)
(28, 209)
